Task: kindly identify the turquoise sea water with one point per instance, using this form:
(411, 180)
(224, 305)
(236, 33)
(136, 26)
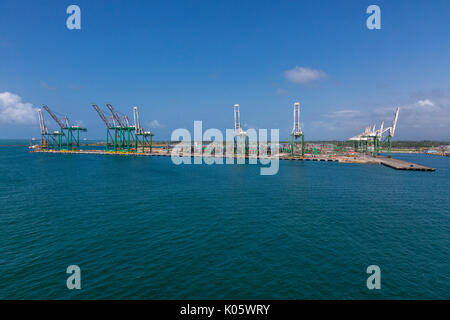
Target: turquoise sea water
(143, 228)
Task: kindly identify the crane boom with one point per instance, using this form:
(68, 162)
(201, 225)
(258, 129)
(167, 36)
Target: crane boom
(102, 116)
(115, 115)
(394, 123)
(380, 131)
(44, 129)
(137, 122)
(50, 112)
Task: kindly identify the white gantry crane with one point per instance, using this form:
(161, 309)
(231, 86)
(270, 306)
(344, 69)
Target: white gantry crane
(238, 132)
(137, 122)
(141, 136)
(378, 136)
(297, 130)
(237, 121)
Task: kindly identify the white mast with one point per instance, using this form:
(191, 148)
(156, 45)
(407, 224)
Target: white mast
(237, 120)
(296, 130)
(137, 122)
(394, 123)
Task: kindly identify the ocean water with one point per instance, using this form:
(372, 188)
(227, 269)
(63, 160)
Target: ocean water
(144, 228)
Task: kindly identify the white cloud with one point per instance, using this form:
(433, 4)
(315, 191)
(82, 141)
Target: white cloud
(344, 113)
(424, 103)
(154, 124)
(14, 111)
(304, 75)
(418, 119)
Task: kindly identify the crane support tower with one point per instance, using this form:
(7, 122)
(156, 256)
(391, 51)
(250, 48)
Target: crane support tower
(297, 131)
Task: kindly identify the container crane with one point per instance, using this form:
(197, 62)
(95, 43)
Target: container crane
(141, 136)
(67, 130)
(237, 121)
(377, 136)
(391, 131)
(122, 132)
(48, 139)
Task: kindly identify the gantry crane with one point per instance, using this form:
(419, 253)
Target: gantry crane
(48, 139)
(377, 137)
(390, 133)
(70, 132)
(123, 131)
(124, 136)
(141, 136)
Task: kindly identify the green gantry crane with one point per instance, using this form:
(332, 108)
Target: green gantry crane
(70, 133)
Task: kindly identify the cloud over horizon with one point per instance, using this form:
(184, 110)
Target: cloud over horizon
(303, 75)
(419, 119)
(14, 111)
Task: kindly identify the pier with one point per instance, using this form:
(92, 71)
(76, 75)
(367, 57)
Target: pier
(403, 165)
(389, 162)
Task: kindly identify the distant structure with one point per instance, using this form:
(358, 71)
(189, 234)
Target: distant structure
(372, 140)
(238, 132)
(297, 131)
(237, 121)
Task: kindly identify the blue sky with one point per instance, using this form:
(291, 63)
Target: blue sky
(181, 61)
